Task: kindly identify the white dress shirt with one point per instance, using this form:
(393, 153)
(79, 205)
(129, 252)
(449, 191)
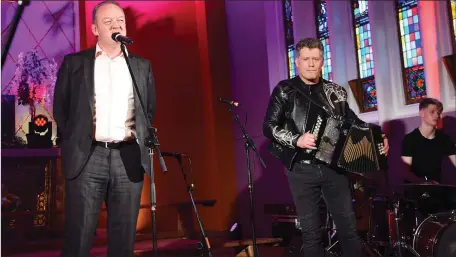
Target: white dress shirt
(114, 100)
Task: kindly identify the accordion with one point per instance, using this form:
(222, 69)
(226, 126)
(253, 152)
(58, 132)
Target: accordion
(350, 147)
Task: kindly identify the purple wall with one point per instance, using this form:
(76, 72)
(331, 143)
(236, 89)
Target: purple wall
(257, 64)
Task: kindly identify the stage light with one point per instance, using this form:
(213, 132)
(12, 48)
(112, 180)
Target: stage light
(40, 124)
(40, 132)
(236, 231)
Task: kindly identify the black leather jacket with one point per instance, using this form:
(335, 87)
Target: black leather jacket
(287, 115)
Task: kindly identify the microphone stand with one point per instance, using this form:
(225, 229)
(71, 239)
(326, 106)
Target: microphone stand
(14, 23)
(249, 145)
(151, 142)
(205, 239)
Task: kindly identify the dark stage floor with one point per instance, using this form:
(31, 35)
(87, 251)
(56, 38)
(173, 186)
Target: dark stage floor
(170, 247)
(176, 247)
(167, 248)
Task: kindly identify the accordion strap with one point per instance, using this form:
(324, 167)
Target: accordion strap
(310, 98)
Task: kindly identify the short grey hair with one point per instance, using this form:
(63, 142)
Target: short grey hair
(310, 43)
(95, 10)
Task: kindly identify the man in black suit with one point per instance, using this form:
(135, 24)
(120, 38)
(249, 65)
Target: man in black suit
(103, 132)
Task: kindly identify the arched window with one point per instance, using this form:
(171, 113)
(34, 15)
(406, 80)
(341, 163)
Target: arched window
(364, 86)
(289, 38)
(323, 35)
(411, 51)
(452, 15)
(450, 60)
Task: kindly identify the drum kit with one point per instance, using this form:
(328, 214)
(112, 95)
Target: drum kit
(419, 220)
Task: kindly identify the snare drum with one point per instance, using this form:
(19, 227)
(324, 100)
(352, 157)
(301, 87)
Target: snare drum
(436, 236)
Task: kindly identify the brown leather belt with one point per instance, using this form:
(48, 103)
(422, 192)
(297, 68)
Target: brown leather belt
(115, 145)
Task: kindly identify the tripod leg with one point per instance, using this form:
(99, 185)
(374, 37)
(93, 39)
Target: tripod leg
(368, 249)
(412, 250)
(200, 223)
(391, 249)
(328, 226)
(398, 234)
(331, 245)
(154, 227)
(399, 246)
(205, 238)
(252, 214)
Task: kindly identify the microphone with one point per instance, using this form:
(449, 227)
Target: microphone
(174, 154)
(228, 102)
(122, 39)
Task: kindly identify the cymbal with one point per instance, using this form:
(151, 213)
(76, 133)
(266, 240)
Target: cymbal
(363, 176)
(431, 198)
(427, 185)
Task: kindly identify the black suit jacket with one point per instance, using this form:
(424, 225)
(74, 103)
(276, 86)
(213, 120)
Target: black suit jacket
(74, 110)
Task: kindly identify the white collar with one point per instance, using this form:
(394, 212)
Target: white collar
(99, 51)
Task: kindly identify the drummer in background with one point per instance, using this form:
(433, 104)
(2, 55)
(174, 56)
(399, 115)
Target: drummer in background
(424, 148)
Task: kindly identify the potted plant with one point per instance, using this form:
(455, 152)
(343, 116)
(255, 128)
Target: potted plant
(34, 83)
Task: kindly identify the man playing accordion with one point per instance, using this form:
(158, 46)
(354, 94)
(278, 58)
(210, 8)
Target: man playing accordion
(294, 109)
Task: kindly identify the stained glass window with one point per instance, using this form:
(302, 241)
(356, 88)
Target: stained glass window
(323, 35)
(370, 93)
(289, 38)
(363, 39)
(365, 56)
(453, 19)
(412, 50)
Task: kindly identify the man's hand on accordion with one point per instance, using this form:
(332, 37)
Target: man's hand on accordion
(385, 145)
(306, 141)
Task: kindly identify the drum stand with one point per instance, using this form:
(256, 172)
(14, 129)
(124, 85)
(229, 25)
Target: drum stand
(332, 231)
(399, 242)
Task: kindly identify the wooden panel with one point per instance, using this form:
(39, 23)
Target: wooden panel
(28, 190)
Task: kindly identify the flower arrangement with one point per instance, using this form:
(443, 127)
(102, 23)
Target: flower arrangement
(34, 80)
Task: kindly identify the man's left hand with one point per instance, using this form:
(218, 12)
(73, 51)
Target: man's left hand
(385, 145)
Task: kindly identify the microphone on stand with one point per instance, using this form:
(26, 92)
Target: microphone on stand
(174, 154)
(229, 102)
(122, 39)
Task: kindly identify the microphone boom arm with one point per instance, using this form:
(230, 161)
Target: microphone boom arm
(12, 31)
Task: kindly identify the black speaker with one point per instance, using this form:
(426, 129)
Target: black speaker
(8, 118)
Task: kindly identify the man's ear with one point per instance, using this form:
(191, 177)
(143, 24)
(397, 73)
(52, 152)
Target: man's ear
(95, 30)
(421, 112)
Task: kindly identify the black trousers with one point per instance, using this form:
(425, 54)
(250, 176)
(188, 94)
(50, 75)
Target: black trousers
(104, 178)
(307, 183)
